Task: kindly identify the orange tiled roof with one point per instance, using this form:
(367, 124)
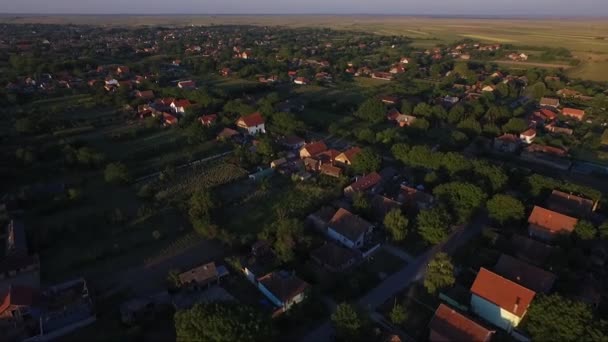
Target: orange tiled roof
(551, 220)
(454, 326)
(502, 292)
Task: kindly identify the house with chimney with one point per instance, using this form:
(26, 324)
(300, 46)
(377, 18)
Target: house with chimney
(363, 184)
(450, 325)
(547, 225)
(499, 300)
(578, 114)
(347, 157)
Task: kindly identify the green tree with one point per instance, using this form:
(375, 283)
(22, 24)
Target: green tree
(463, 198)
(515, 125)
(398, 315)
(433, 225)
(371, 110)
(503, 208)
(470, 126)
(366, 161)
(439, 273)
(585, 230)
(222, 322)
(423, 109)
(361, 203)
(396, 224)
(346, 320)
(201, 205)
(117, 173)
(288, 231)
(555, 318)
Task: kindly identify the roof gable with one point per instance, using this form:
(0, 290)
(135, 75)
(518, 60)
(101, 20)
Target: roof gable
(454, 326)
(502, 292)
(348, 225)
(551, 220)
(252, 120)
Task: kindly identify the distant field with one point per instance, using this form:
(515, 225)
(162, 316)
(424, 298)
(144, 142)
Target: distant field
(588, 37)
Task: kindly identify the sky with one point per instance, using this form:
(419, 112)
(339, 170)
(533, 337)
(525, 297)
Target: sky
(560, 8)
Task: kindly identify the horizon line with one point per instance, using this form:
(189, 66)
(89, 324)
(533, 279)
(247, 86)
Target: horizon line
(461, 16)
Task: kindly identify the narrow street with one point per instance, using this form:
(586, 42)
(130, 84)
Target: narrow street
(404, 277)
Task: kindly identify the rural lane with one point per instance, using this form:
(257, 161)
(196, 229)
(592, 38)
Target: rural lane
(403, 278)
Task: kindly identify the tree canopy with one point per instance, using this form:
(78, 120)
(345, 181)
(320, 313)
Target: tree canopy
(372, 110)
(433, 225)
(346, 320)
(555, 318)
(396, 224)
(463, 198)
(366, 161)
(439, 273)
(503, 208)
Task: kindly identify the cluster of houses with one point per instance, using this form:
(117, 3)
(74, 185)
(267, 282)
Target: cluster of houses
(500, 297)
(29, 312)
(546, 119)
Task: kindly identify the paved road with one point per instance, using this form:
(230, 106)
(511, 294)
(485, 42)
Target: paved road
(404, 277)
(398, 252)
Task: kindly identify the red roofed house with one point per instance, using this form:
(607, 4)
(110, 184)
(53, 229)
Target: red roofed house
(450, 325)
(347, 157)
(252, 123)
(208, 120)
(528, 136)
(283, 289)
(179, 106)
(313, 149)
(549, 102)
(363, 184)
(348, 229)
(169, 119)
(499, 300)
(186, 84)
(546, 224)
(574, 113)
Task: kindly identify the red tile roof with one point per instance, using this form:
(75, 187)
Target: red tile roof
(182, 103)
(348, 224)
(502, 292)
(315, 148)
(350, 154)
(551, 220)
(531, 132)
(252, 120)
(454, 326)
(575, 113)
(208, 119)
(556, 151)
(366, 182)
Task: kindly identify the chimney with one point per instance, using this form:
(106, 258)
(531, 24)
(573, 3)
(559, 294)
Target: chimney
(516, 304)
